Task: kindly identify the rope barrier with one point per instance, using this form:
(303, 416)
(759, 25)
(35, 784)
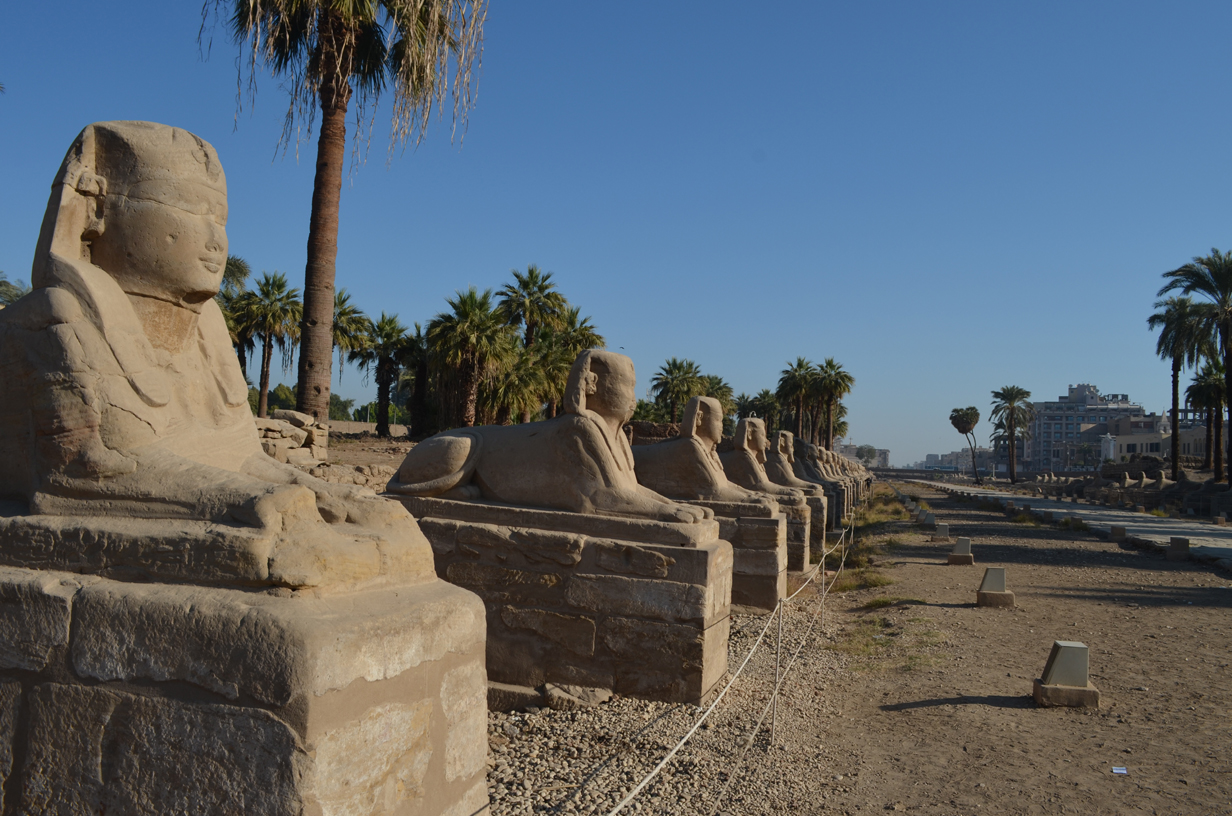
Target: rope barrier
(779, 678)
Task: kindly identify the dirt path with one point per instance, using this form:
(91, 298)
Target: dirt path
(936, 716)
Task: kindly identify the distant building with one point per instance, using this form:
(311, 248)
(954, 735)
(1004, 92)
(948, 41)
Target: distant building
(1070, 432)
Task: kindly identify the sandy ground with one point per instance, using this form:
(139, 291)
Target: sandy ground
(368, 450)
(935, 717)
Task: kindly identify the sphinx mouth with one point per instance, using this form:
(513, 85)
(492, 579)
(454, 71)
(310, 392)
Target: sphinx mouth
(215, 267)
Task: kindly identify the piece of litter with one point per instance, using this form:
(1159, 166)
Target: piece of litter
(1124, 771)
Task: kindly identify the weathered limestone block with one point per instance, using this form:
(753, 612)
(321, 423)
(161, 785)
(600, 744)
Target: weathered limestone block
(592, 601)
(10, 702)
(759, 547)
(366, 702)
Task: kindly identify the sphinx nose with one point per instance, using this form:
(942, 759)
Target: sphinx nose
(217, 240)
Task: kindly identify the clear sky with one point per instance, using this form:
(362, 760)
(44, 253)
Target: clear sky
(945, 197)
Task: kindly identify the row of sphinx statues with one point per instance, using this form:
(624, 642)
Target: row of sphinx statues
(582, 461)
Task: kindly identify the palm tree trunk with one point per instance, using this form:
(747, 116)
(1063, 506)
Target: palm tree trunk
(1176, 412)
(1225, 334)
(1210, 439)
(267, 354)
(975, 472)
(830, 424)
(383, 382)
(316, 329)
(419, 399)
(1009, 428)
(470, 395)
(1219, 441)
(800, 417)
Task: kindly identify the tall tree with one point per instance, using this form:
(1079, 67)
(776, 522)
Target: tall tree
(1208, 391)
(531, 302)
(1210, 277)
(10, 291)
(329, 53)
(1011, 407)
(270, 313)
(380, 353)
(964, 421)
(557, 347)
(766, 405)
(675, 383)
(793, 389)
(351, 327)
(834, 383)
(1184, 338)
(471, 339)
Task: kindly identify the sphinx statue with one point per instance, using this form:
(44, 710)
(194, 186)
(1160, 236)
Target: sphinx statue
(745, 464)
(780, 468)
(125, 401)
(580, 461)
(237, 626)
(688, 466)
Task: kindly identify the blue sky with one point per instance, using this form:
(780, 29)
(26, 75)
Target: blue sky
(945, 197)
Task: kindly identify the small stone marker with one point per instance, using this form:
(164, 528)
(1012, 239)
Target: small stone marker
(1026, 508)
(942, 533)
(1138, 508)
(961, 554)
(930, 521)
(1009, 507)
(1221, 520)
(1118, 534)
(992, 591)
(1066, 680)
(1178, 549)
(1047, 516)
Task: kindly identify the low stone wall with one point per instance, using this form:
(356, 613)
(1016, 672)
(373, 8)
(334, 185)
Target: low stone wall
(578, 600)
(339, 426)
(121, 697)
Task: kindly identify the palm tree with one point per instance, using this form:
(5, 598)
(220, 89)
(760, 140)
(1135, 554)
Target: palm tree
(964, 421)
(10, 291)
(1184, 338)
(380, 352)
(1011, 407)
(531, 302)
(351, 327)
(471, 339)
(834, 383)
(329, 52)
(676, 382)
(766, 404)
(270, 313)
(517, 388)
(416, 361)
(1211, 278)
(746, 406)
(794, 383)
(1208, 391)
(557, 347)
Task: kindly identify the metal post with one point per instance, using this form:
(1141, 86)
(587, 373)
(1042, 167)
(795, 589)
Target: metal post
(778, 654)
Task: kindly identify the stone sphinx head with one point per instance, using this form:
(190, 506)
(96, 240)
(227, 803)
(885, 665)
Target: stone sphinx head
(146, 203)
(603, 383)
(703, 419)
(751, 437)
(784, 445)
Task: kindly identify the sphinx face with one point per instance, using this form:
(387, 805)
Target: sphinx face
(157, 246)
(710, 426)
(615, 393)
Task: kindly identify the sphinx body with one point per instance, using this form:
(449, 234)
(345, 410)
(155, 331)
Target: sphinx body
(124, 399)
(580, 462)
(745, 464)
(780, 469)
(688, 467)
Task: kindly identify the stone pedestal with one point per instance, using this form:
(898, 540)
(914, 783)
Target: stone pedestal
(1066, 680)
(961, 554)
(992, 591)
(1178, 549)
(759, 548)
(635, 606)
(121, 697)
(1056, 695)
(942, 532)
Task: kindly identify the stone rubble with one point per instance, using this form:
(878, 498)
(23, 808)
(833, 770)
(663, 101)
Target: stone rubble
(293, 438)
